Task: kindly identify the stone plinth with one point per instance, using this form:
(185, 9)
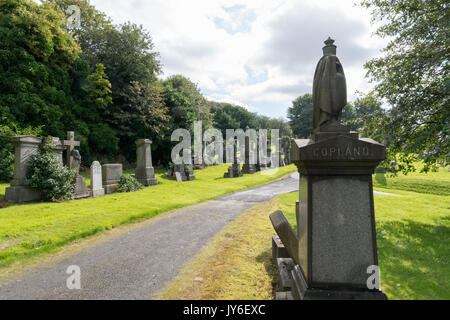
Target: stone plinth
(336, 222)
(234, 171)
(25, 147)
(182, 173)
(145, 173)
(251, 157)
(335, 242)
(111, 174)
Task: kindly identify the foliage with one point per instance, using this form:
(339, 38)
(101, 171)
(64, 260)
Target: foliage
(228, 116)
(128, 183)
(48, 175)
(35, 59)
(412, 76)
(300, 116)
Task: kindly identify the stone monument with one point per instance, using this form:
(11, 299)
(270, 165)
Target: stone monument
(97, 189)
(145, 173)
(111, 174)
(24, 148)
(185, 172)
(251, 158)
(80, 190)
(335, 245)
(235, 170)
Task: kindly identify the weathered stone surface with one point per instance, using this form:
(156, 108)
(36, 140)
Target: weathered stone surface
(285, 266)
(278, 249)
(24, 147)
(97, 189)
(342, 231)
(81, 190)
(145, 172)
(111, 174)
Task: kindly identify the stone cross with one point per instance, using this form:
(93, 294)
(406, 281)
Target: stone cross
(70, 144)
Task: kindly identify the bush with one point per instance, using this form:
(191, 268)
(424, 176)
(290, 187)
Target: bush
(48, 175)
(128, 183)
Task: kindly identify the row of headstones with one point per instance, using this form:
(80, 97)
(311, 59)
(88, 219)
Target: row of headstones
(104, 178)
(234, 171)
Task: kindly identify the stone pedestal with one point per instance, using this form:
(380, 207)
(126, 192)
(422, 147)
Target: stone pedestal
(336, 241)
(234, 171)
(111, 174)
(145, 173)
(25, 147)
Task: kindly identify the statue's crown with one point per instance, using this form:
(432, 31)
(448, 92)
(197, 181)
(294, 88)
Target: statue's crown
(330, 48)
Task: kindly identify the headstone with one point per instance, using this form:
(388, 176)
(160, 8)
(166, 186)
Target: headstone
(249, 166)
(186, 172)
(178, 177)
(145, 173)
(111, 174)
(57, 147)
(336, 241)
(81, 190)
(235, 170)
(97, 189)
(24, 148)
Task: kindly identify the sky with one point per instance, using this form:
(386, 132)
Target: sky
(260, 54)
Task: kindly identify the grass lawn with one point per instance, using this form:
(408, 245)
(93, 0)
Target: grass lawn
(413, 235)
(34, 229)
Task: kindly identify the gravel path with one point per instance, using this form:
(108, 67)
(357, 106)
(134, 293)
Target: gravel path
(138, 263)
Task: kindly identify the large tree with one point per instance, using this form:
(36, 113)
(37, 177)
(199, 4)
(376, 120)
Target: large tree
(413, 76)
(36, 56)
(300, 116)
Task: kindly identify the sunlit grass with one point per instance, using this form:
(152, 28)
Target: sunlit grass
(34, 229)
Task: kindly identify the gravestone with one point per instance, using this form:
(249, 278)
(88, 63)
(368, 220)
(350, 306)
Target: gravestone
(97, 189)
(251, 158)
(111, 174)
(145, 173)
(336, 240)
(70, 145)
(24, 147)
(235, 170)
(185, 172)
(73, 161)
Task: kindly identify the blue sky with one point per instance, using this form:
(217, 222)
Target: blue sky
(260, 54)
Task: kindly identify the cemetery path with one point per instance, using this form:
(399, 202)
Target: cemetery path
(138, 263)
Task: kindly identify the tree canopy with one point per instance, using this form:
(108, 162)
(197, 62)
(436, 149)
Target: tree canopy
(413, 76)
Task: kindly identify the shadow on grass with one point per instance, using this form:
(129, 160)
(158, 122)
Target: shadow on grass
(266, 259)
(414, 259)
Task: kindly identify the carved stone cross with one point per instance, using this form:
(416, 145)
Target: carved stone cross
(70, 144)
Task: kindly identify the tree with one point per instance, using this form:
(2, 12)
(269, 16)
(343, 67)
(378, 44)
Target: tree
(300, 116)
(36, 57)
(228, 116)
(412, 76)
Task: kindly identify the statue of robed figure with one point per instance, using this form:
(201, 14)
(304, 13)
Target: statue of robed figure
(329, 88)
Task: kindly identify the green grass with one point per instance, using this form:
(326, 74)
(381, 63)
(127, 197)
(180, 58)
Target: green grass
(437, 183)
(413, 234)
(39, 228)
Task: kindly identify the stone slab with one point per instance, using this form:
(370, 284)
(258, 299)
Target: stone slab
(21, 194)
(278, 249)
(285, 266)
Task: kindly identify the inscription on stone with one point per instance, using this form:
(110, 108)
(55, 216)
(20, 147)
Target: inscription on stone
(341, 152)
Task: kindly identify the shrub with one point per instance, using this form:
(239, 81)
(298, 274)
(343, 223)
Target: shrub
(48, 175)
(128, 183)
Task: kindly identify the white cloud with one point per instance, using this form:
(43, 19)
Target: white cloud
(260, 54)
